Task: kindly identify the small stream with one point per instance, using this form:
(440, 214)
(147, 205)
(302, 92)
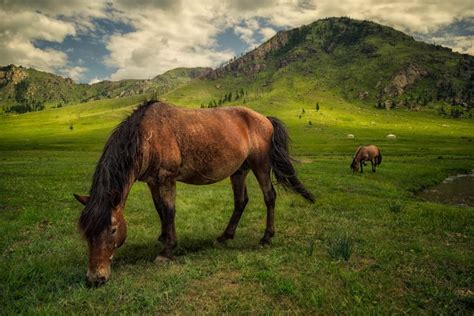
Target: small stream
(457, 190)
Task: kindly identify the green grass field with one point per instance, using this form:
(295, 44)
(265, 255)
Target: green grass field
(404, 255)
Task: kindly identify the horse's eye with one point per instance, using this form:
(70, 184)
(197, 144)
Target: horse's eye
(113, 231)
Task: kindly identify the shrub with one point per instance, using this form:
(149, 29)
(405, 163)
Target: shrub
(456, 111)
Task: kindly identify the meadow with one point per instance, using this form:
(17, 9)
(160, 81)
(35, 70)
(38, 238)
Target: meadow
(368, 245)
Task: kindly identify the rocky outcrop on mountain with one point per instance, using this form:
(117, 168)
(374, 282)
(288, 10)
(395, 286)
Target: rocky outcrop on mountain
(11, 74)
(254, 61)
(403, 79)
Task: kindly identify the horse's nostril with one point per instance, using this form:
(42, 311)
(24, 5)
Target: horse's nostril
(102, 279)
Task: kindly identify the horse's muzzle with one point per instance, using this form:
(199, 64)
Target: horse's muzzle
(97, 278)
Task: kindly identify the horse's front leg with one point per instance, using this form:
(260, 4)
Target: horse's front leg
(361, 167)
(167, 193)
(373, 165)
(155, 192)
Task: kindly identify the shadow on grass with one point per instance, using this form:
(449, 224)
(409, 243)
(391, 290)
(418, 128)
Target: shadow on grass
(134, 253)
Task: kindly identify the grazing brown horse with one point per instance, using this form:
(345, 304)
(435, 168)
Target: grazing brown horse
(160, 144)
(366, 153)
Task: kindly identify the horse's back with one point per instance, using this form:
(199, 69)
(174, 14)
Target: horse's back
(204, 145)
(371, 151)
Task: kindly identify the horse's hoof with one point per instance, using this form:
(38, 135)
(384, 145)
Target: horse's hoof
(223, 238)
(220, 241)
(162, 260)
(264, 242)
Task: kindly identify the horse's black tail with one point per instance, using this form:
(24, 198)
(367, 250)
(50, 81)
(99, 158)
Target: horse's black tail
(280, 160)
(379, 158)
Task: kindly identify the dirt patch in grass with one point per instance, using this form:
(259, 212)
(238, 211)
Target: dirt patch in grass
(359, 264)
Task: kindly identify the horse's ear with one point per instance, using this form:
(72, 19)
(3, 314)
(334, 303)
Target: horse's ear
(83, 199)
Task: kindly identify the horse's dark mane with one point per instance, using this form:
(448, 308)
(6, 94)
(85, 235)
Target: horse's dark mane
(357, 152)
(120, 161)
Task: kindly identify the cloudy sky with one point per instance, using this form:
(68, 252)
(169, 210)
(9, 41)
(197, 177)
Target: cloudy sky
(95, 40)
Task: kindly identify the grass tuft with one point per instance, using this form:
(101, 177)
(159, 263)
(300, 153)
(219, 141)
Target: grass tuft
(396, 207)
(340, 247)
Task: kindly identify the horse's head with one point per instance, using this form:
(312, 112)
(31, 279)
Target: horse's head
(103, 245)
(355, 165)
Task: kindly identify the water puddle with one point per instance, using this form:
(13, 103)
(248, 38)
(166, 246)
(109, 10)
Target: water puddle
(457, 190)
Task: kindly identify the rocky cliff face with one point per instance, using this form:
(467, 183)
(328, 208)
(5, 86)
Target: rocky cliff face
(255, 60)
(403, 79)
(11, 74)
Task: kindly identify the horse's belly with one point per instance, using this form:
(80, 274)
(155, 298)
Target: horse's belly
(211, 172)
(200, 179)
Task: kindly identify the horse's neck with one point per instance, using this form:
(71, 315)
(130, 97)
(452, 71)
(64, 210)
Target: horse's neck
(126, 190)
(122, 192)
(356, 156)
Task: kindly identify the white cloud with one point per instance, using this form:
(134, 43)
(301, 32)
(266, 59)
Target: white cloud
(166, 39)
(247, 31)
(94, 80)
(17, 33)
(24, 22)
(267, 32)
(460, 44)
(74, 72)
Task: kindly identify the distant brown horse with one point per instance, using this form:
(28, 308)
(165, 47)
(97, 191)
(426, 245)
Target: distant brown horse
(160, 144)
(366, 153)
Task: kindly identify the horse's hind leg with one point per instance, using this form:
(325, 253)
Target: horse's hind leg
(155, 192)
(240, 201)
(262, 173)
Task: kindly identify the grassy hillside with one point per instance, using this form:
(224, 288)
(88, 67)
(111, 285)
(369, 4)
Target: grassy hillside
(37, 86)
(26, 90)
(406, 255)
(158, 85)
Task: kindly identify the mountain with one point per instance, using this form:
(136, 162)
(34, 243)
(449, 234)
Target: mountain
(19, 85)
(158, 85)
(362, 60)
(26, 89)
